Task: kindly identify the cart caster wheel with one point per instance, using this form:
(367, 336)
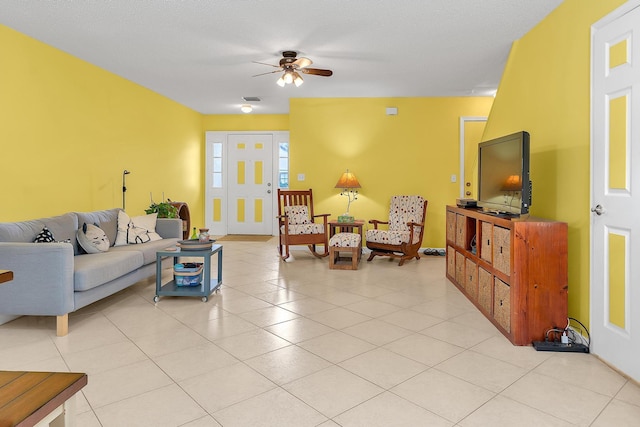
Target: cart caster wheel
(205, 299)
(156, 298)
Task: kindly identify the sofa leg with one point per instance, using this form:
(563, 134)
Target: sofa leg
(62, 325)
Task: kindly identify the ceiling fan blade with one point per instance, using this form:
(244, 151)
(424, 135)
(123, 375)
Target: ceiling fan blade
(317, 72)
(264, 63)
(302, 62)
(268, 72)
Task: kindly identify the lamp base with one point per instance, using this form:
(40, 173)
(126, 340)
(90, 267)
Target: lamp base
(346, 218)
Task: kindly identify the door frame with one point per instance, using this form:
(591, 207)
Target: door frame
(220, 228)
(463, 120)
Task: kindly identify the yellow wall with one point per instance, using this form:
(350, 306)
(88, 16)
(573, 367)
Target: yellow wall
(69, 129)
(545, 90)
(245, 122)
(415, 152)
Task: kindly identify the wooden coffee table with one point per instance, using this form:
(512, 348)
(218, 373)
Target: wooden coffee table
(39, 398)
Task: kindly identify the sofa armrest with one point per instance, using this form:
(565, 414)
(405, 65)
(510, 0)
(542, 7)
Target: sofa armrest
(42, 279)
(169, 228)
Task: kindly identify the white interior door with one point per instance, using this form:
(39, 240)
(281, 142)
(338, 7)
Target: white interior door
(615, 186)
(471, 130)
(250, 186)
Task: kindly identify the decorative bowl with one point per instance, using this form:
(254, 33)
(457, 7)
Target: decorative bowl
(194, 245)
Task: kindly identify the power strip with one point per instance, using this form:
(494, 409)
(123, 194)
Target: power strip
(558, 346)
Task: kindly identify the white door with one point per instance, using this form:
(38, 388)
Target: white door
(471, 130)
(615, 189)
(250, 186)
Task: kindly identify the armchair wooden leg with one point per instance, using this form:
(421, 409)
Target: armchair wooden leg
(62, 325)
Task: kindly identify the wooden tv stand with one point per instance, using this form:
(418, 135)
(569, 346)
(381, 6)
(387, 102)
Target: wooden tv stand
(517, 273)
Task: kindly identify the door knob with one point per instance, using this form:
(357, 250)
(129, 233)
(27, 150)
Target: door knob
(599, 210)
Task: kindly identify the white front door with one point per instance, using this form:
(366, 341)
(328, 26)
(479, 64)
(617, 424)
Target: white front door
(615, 189)
(250, 186)
(241, 178)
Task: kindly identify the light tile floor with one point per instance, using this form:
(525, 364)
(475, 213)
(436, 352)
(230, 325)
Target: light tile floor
(297, 344)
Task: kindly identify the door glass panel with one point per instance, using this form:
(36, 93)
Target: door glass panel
(618, 168)
(283, 165)
(617, 278)
(217, 165)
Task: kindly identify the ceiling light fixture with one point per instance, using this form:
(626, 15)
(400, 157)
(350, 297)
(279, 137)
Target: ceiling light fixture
(246, 108)
(289, 76)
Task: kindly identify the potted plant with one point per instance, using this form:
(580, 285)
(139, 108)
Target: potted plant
(164, 210)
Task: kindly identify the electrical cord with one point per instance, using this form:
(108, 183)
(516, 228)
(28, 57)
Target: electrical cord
(583, 327)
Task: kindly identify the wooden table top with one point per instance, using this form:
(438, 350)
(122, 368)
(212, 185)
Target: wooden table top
(6, 275)
(28, 397)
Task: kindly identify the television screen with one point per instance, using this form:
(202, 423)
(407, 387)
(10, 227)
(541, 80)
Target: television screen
(504, 186)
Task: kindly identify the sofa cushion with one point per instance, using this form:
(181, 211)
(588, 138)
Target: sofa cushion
(63, 227)
(107, 220)
(92, 270)
(148, 250)
(92, 239)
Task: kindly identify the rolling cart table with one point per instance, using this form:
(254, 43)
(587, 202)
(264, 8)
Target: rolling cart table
(206, 287)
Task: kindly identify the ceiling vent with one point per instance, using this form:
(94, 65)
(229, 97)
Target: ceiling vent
(251, 99)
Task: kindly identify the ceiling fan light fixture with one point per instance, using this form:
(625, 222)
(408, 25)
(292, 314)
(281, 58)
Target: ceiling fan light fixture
(280, 81)
(297, 79)
(288, 77)
(246, 108)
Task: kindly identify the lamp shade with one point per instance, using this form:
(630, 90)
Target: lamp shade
(348, 180)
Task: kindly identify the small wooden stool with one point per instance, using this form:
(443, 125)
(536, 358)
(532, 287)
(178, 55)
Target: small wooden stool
(344, 242)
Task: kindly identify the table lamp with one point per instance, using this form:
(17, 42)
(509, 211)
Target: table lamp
(348, 183)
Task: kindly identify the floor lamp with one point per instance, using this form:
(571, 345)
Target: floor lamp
(124, 187)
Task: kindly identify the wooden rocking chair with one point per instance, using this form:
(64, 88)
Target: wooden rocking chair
(406, 228)
(296, 223)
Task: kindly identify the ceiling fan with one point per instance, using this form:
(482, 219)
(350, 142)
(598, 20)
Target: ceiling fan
(291, 67)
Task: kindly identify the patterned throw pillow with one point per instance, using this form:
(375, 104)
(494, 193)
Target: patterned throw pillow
(46, 236)
(92, 239)
(297, 214)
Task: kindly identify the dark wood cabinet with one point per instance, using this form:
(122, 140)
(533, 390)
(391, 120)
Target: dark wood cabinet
(514, 270)
(185, 216)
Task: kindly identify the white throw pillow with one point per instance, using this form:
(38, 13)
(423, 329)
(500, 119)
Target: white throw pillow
(92, 239)
(137, 229)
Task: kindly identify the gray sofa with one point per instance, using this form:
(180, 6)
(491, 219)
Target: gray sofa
(55, 279)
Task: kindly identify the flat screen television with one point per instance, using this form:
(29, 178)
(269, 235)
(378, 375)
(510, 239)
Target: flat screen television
(504, 186)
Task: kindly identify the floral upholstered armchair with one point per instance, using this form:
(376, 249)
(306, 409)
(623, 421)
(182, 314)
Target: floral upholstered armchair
(297, 223)
(403, 236)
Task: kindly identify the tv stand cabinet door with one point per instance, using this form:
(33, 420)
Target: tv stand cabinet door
(502, 249)
(486, 246)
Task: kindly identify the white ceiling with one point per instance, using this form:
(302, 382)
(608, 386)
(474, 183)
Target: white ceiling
(200, 52)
